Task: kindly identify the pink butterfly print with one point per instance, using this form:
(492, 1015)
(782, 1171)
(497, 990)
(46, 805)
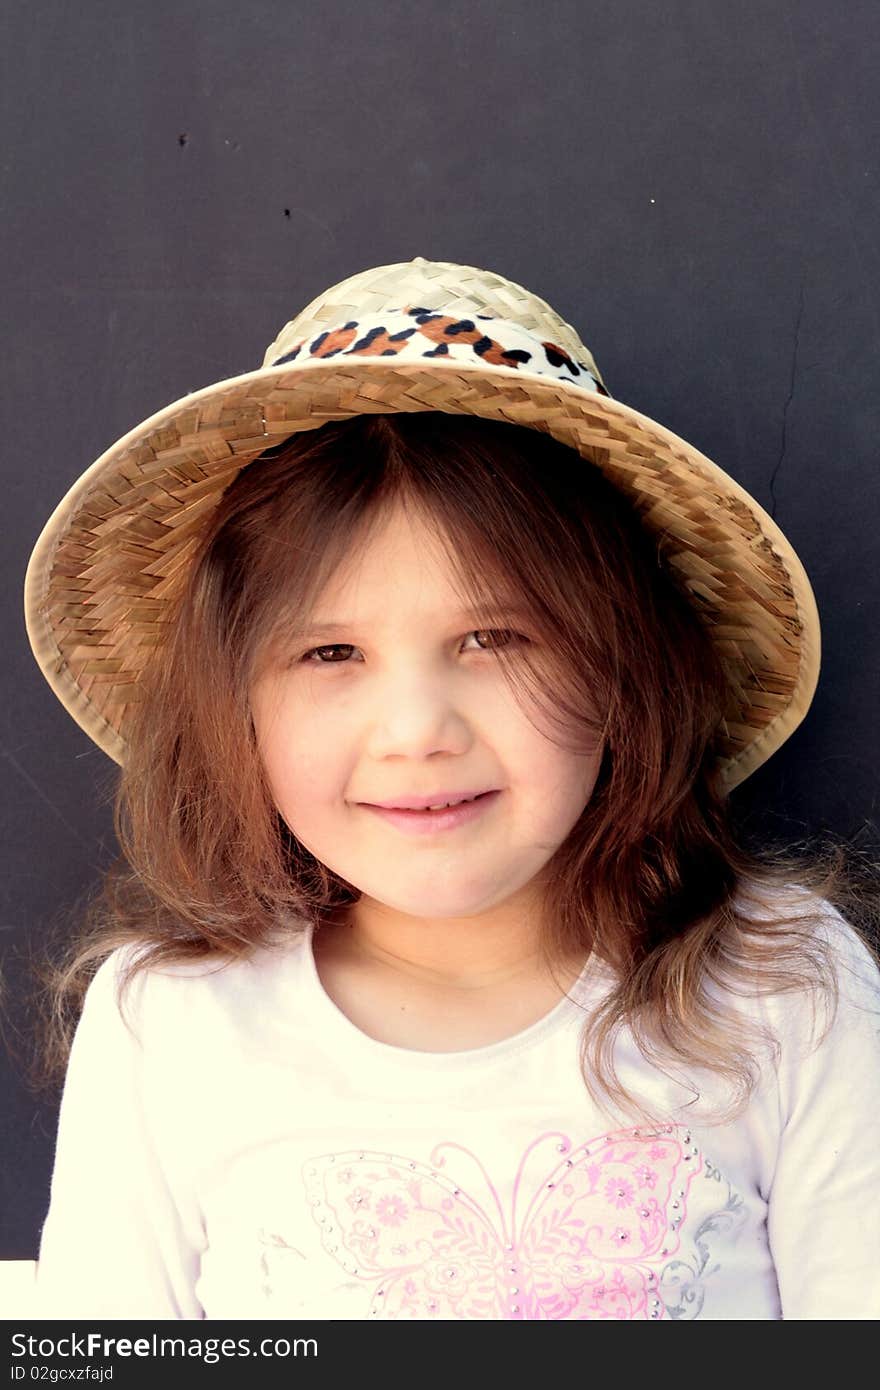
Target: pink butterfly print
(586, 1247)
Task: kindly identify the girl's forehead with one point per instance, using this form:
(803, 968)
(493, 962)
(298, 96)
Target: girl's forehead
(406, 551)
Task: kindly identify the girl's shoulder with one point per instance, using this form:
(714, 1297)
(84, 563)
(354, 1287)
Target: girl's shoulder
(815, 918)
(131, 986)
(836, 964)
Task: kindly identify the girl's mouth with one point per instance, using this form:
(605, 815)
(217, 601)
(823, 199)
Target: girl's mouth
(431, 822)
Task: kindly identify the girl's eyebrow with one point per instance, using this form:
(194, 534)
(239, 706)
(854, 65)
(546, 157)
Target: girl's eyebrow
(506, 610)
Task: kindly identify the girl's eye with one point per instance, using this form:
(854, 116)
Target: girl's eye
(496, 632)
(315, 655)
(336, 647)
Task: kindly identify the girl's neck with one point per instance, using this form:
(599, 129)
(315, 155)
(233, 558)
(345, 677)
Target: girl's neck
(416, 1001)
(463, 956)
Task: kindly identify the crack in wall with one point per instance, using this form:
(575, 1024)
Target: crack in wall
(794, 356)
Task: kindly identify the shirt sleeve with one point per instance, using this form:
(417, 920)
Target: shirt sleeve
(116, 1242)
(823, 1216)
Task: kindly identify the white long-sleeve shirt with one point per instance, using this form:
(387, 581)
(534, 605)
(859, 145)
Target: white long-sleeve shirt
(251, 1153)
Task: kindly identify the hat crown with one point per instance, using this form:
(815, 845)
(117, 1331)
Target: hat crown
(460, 290)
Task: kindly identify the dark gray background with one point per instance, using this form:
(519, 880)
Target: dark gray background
(692, 184)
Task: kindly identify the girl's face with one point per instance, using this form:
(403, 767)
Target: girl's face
(409, 700)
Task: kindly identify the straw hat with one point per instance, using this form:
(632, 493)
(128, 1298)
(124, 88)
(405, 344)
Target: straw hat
(419, 335)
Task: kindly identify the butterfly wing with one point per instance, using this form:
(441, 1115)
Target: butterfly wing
(427, 1247)
(604, 1217)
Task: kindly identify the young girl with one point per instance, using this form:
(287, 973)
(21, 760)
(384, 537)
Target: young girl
(432, 981)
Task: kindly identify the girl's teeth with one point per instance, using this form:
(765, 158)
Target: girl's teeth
(451, 803)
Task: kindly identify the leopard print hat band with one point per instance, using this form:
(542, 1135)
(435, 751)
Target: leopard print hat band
(415, 333)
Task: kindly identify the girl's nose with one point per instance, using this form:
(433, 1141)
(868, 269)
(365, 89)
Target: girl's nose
(416, 716)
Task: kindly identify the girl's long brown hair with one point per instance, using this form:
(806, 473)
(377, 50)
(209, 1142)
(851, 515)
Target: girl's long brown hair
(652, 879)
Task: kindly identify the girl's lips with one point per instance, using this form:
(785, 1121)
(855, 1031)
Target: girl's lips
(430, 822)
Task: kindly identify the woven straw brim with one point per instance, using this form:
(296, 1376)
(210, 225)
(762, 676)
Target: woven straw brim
(112, 559)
